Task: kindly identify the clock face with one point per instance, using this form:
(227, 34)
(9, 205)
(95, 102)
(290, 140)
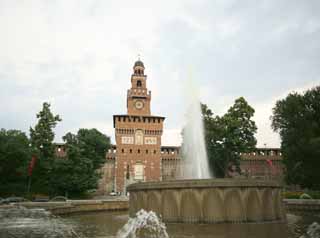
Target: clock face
(138, 104)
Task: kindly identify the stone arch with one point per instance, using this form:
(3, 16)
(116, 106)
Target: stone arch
(278, 212)
(170, 208)
(253, 205)
(212, 205)
(190, 205)
(141, 200)
(154, 202)
(267, 204)
(234, 209)
(133, 204)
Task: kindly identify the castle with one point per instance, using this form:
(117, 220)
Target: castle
(139, 156)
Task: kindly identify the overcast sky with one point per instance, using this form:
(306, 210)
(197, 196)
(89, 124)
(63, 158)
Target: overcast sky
(78, 55)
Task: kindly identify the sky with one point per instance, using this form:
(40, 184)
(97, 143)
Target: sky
(78, 55)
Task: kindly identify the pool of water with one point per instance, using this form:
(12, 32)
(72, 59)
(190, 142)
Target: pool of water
(106, 224)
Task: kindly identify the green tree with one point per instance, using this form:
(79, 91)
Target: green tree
(93, 145)
(228, 136)
(15, 156)
(297, 119)
(41, 137)
(42, 134)
(79, 172)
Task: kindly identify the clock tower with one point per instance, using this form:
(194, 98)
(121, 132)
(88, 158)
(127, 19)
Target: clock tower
(138, 98)
(138, 136)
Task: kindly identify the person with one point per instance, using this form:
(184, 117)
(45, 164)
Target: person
(232, 171)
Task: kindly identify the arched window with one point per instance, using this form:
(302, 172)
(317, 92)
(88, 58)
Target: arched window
(138, 171)
(139, 137)
(139, 84)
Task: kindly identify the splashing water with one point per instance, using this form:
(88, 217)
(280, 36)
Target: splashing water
(145, 224)
(313, 231)
(194, 149)
(20, 222)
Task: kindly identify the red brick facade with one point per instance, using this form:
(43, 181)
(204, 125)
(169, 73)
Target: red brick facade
(263, 163)
(138, 136)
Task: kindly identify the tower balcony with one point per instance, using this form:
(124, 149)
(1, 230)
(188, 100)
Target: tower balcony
(138, 92)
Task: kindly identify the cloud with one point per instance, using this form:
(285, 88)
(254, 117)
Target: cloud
(79, 56)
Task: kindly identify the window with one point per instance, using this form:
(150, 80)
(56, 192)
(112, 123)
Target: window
(154, 151)
(138, 151)
(130, 151)
(122, 150)
(139, 84)
(147, 151)
(139, 137)
(138, 171)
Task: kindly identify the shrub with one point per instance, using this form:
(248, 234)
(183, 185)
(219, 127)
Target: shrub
(301, 194)
(305, 196)
(292, 194)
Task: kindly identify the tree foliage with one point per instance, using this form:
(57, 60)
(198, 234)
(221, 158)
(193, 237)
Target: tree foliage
(15, 155)
(79, 171)
(229, 135)
(41, 137)
(42, 134)
(297, 119)
(74, 174)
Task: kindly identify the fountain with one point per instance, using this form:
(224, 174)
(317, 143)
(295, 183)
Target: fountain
(18, 221)
(144, 224)
(209, 200)
(200, 199)
(194, 150)
(313, 231)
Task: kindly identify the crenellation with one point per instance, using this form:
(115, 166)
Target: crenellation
(139, 156)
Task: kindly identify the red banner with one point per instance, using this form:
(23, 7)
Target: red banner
(269, 161)
(31, 165)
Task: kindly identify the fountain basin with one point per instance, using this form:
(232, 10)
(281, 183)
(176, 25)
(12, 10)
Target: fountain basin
(209, 200)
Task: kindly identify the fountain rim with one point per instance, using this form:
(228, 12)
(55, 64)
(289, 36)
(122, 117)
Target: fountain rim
(204, 183)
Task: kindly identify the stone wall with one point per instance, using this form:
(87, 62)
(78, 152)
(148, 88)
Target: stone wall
(209, 200)
(302, 205)
(263, 163)
(75, 206)
(171, 164)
